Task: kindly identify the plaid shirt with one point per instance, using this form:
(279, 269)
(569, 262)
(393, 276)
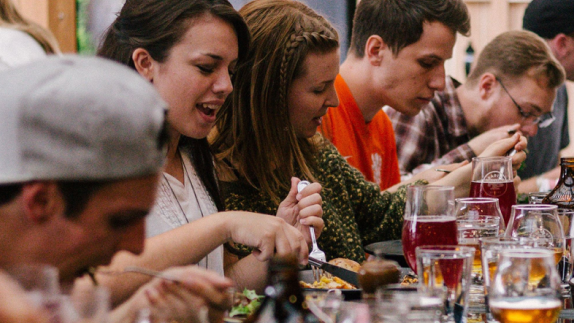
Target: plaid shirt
(436, 136)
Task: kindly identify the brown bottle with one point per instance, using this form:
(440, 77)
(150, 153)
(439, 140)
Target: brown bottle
(563, 193)
(377, 273)
(284, 302)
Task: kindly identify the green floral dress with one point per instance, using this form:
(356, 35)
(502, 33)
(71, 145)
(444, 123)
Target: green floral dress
(355, 211)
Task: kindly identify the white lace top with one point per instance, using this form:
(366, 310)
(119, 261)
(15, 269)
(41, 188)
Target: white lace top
(195, 203)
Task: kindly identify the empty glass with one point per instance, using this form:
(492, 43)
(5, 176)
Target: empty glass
(403, 304)
(525, 287)
(449, 267)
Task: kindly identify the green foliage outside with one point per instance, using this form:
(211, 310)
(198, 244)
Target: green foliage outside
(84, 38)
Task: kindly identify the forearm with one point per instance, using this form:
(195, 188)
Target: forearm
(182, 246)
(247, 272)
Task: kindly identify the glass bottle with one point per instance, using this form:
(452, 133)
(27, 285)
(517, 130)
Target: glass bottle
(563, 193)
(377, 273)
(284, 301)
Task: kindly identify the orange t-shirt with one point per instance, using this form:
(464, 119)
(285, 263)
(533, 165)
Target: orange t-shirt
(371, 147)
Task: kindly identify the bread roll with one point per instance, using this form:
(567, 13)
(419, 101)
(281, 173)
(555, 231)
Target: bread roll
(346, 263)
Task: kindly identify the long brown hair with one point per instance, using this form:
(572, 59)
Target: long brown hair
(11, 18)
(254, 132)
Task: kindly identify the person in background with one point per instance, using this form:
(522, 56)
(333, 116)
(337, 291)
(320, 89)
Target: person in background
(82, 149)
(22, 41)
(268, 132)
(385, 67)
(551, 20)
(511, 88)
(189, 50)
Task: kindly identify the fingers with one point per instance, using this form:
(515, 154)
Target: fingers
(309, 190)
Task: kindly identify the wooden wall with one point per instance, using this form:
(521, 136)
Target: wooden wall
(489, 18)
(57, 15)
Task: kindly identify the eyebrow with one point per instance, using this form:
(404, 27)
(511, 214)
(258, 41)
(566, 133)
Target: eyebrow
(537, 108)
(128, 217)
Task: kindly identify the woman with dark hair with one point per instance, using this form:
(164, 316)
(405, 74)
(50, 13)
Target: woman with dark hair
(189, 50)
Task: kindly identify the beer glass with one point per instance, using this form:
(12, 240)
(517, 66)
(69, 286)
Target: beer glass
(541, 223)
(525, 287)
(440, 267)
(493, 177)
(429, 219)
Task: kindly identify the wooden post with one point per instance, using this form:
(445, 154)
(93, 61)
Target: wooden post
(57, 15)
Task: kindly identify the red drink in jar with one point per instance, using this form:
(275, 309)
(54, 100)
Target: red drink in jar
(504, 191)
(427, 230)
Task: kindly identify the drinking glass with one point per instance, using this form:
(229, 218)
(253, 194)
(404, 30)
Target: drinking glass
(429, 219)
(91, 304)
(566, 264)
(403, 304)
(490, 250)
(325, 305)
(539, 222)
(447, 267)
(525, 287)
(41, 284)
(493, 177)
(536, 197)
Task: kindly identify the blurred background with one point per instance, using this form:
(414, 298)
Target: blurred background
(79, 24)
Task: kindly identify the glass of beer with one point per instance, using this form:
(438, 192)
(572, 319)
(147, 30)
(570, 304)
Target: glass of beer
(525, 287)
(493, 177)
(490, 248)
(539, 222)
(429, 219)
(477, 217)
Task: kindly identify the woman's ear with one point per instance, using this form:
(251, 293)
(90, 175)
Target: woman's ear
(42, 201)
(144, 63)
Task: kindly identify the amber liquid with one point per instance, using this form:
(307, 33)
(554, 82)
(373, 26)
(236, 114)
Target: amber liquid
(504, 191)
(447, 272)
(558, 253)
(428, 230)
(537, 310)
(477, 261)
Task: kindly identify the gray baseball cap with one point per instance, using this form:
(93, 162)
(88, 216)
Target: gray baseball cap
(78, 118)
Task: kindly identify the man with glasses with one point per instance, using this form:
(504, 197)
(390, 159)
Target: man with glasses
(510, 89)
(552, 20)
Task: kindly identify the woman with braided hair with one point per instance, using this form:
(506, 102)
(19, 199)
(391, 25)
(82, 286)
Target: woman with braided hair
(267, 133)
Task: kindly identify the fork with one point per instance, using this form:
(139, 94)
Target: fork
(315, 252)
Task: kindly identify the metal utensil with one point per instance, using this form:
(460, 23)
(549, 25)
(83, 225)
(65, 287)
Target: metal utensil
(315, 252)
(345, 274)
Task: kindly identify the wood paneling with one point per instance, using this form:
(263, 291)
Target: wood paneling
(57, 15)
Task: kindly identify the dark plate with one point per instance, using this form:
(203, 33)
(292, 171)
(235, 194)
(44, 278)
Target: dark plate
(348, 294)
(392, 250)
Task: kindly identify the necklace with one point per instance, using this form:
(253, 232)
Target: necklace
(186, 175)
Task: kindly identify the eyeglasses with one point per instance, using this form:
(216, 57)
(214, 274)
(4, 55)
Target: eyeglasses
(542, 121)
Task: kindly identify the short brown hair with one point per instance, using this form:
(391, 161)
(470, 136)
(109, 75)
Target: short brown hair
(513, 54)
(400, 22)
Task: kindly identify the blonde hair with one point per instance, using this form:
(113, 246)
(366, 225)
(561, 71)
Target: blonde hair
(514, 54)
(11, 18)
(254, 132)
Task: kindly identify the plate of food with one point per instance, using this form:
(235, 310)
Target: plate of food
(392, 250)
(245, 303)
(327, 281)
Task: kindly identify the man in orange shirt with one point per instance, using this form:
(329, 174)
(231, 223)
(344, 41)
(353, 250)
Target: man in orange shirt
(397, 61)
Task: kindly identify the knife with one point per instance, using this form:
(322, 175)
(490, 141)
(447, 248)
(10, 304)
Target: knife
(345, 274)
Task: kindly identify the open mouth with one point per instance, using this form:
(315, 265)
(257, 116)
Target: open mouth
(208, 109)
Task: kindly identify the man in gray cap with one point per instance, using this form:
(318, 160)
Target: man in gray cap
(552, 20)
(82, 143)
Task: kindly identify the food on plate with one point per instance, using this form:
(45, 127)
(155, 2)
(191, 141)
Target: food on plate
(409, 280)
(245, 303)
(328, 281)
